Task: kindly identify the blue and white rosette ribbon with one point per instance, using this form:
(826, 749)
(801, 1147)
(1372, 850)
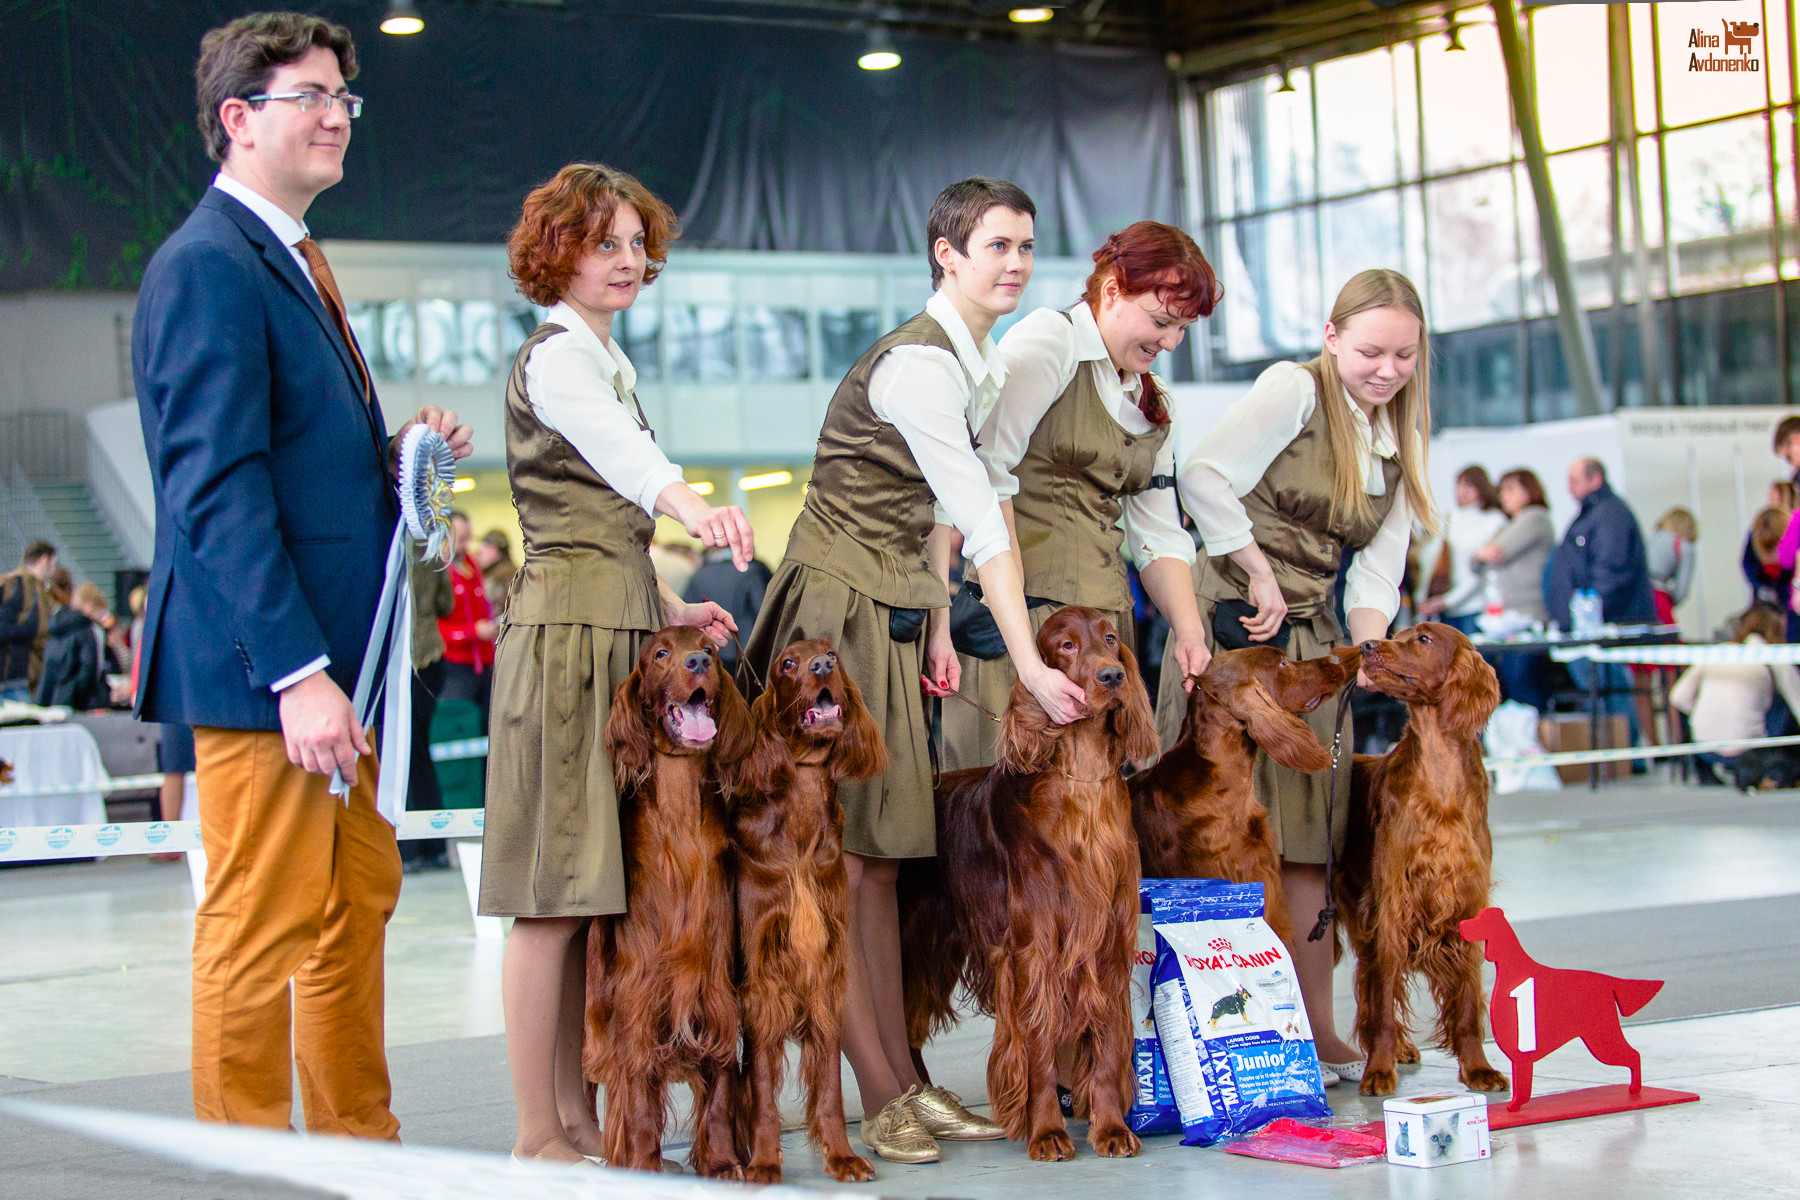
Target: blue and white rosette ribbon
(427, 473)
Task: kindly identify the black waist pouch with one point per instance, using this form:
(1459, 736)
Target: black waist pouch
(1229, 632)
(905, 624)
(972, 627)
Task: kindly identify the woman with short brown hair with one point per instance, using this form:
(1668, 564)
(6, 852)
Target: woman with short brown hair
(588, 481)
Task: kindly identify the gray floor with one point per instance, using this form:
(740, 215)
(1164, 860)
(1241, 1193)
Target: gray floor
(1700, 887)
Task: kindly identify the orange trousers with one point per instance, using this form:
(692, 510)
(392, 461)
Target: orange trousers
(299, 888)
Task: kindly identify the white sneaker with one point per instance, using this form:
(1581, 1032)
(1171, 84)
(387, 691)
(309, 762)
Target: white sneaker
(1353, 1071)
(1330, 1076)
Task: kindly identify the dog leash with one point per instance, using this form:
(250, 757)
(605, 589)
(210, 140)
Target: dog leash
(1329, 913)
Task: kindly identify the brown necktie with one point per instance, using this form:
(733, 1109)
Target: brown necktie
(334, 301)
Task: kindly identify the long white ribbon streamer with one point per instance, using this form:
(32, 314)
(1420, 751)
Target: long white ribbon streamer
(391, 633)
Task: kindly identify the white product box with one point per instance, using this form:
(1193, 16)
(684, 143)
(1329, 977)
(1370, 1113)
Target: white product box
(1437, 1130)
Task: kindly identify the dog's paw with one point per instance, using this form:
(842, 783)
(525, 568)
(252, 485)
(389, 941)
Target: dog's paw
(1117, 1142)
(1381, 1082)
(762, 1173)
(1483, 1079)
(1052, 1146)
(730, 1171)
(846, 1168)
(1406, 1054)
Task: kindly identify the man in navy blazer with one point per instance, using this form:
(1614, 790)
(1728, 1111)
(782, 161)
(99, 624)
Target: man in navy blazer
(274, 509)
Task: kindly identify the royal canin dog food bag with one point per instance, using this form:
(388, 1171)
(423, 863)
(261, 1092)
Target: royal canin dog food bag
(1153, 1107)
(1226, 1004)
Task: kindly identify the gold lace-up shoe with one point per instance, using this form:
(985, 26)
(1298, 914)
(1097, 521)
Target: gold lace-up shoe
(895, 1133)
(940, 1111)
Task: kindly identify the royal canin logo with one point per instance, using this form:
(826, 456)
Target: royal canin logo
(1219, 945)
(1145, 958)
(1219, 962)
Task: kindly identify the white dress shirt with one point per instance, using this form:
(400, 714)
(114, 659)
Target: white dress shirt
(934, 398)
(290, 232)
(1467, 529)
(576, 383)
(1043, 352)
(1231, 459)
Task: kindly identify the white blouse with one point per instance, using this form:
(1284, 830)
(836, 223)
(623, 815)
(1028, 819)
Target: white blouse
(934, 398)
(1466, 530)
(575, 382)
(1043, 352)
(1234, 454)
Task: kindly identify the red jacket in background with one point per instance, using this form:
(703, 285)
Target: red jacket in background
(461, 646)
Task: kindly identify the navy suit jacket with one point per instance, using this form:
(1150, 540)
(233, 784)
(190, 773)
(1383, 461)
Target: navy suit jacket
(273, 503)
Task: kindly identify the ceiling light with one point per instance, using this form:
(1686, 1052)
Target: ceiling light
(465, 484)
(880, 54)
(1030, 16)
(773, 479)
(402, 18)
(703, 488)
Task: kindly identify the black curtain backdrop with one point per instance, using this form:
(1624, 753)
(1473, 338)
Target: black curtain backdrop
(762, 138)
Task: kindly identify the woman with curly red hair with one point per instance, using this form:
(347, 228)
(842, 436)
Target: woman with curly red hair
(588, 481)
(1079, 446)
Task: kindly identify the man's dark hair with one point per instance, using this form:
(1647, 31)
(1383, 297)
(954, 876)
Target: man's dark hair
(237, 60)
(959, 209)
(1786, 429)
(457, 514)
(1593, 468)
(36, 552)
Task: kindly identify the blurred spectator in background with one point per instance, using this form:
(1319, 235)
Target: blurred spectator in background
(1603, 549)
(1787, 444)
(1768, 579)
(676, 563)
(468, 632)
(738, 592)
(1672, 557)
(1517, 557)
(434, 597)
(1472, 524)
(25, 621)
(493, 554)
(73, 674)
(1729, 701)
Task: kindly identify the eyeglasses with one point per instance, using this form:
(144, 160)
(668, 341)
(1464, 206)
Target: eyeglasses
(308, 101)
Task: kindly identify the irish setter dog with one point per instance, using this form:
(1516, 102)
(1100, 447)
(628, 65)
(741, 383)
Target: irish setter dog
(1032, 900)
(1416, 863)
(793, 897)
(1196, 811)
(661, 1004)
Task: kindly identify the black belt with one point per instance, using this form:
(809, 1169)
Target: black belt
(974, 589)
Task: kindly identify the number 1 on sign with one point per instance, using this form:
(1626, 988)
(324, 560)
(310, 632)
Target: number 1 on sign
(1525, 997)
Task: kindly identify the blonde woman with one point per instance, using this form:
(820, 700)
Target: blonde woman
(1319, 458)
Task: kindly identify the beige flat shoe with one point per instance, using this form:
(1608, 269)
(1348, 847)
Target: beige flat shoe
(941, 1113)
(895, 1133)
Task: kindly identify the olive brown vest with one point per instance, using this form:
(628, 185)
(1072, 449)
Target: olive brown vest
(868, 508)
(587, 559)
(1077, 466)
(1292, 522)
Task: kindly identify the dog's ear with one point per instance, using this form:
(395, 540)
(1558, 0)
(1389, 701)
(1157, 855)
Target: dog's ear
(1288, 740)
(768, 767)
(736, 730)
(1471, 693)
(627, 736)
(860, 752)
(1135, 721)
(1027, 735)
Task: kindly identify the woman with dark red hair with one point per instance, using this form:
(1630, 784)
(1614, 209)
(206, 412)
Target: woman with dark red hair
(1078, 449)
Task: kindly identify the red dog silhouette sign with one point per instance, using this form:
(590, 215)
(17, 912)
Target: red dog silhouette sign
(1536, 1010)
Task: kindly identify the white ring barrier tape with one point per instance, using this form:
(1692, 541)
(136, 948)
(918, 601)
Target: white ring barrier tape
(1566, 758)
(36, 842)
(1766, 655)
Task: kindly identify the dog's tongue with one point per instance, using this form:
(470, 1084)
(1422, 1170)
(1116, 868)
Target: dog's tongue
(821, 712)
(694, 724)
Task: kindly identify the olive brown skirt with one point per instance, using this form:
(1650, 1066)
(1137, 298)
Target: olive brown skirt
(891, 815)
(551, 845)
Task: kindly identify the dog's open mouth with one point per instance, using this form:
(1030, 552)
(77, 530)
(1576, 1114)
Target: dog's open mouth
(1312, 704)
(823, 713)
(692, 723)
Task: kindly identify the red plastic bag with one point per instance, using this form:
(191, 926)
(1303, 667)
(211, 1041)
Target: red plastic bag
(1288, 1140)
